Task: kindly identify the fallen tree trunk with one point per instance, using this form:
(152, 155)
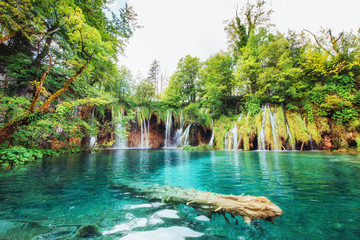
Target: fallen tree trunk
(248, 207)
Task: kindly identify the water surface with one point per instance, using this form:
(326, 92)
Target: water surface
(319, 193)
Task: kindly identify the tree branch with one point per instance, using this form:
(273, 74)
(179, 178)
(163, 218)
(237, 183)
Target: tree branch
(7, 37)
(46, 105)
(319, 44)
(38, 90)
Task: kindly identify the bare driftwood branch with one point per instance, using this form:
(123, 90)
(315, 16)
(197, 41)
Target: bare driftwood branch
(248, 207)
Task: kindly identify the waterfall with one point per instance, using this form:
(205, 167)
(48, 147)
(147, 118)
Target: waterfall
(289, 135)
(226, 141)
(179, 132)
(168, 129)
(181, 119)
(119, 133)
(144, 133)
(211, 143)
(93, 139)
(274, 128)
(184, 138)
(234, 133)
(290, 139)
(261, 138)
(145, 130)
(310, 138)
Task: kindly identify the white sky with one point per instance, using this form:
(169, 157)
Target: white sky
(174, 28)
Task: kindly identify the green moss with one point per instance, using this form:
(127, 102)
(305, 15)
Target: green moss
(357, 139)
(315, 134)
(222, 126)
(297, 127)
(322, 124)
(268, 131)
(248, 130)
(280, 121)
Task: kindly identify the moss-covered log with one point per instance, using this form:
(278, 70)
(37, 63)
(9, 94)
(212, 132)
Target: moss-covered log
(248, 207)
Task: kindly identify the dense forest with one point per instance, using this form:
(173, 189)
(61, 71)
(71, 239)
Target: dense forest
(61, 84)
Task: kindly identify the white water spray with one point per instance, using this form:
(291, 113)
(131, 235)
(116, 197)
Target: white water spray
(261, 138)
(93, 139)
(168, 129)
(274, 128)
(184, 138)
(211, 143)
(121, 141)
(232, 143)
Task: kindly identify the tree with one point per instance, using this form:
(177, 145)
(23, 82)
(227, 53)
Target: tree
(154, 73)
(182, 85)
(268, 70)
(65, 24)
(217, 81)
(236, 34)
(145, 92)
(280, 79)
(256, 15)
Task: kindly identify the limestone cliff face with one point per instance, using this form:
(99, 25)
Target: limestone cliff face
(199, 134)
(147, 134)
(273, 128)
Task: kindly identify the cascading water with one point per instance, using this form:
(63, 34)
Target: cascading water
(261, 138)
(144, 134)
(93, 139)
(289, 136)
(184, 138)
(211, 143)
(310, 138)
(226, 141)
(274, 128)
(179, 132)
(119, 134)
(235, 133)
(144, 128)
(232, 143)
(168, 129)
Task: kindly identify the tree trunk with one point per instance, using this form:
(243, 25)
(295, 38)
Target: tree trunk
(248, 207)
(9, 129)
(7, 37)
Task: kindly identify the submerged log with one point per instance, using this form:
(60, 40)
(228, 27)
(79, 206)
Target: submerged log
(248, 207)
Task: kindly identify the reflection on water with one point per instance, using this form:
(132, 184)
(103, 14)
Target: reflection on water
(319, 193)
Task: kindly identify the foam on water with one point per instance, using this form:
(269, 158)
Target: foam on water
(171, 233)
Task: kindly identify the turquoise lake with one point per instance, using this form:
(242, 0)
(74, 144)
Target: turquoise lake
(50, 199)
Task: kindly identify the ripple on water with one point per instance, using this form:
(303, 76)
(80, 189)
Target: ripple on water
(319, 193)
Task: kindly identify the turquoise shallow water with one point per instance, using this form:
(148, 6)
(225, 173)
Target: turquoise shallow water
(319, 193)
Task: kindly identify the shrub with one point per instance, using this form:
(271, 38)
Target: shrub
(19, 155)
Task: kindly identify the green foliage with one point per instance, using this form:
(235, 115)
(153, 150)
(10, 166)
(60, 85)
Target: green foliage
(193, 113)
(217, 80)
(202, 146)
(253, 105)
(19, 155)
(182, 84)
(236, 34)
(12, 107)
(145, 92)
(222, 126)
(358, 143)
